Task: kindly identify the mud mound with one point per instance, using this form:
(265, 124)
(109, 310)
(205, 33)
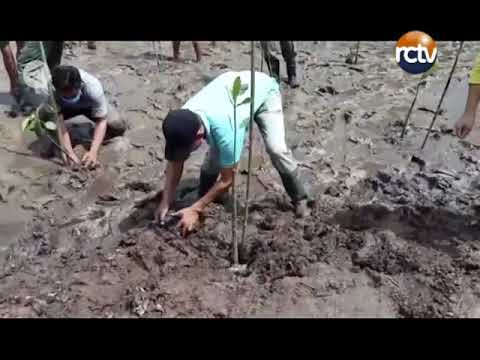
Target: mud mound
(428, 254)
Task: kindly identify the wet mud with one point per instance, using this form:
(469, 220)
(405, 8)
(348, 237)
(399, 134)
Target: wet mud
(388, 237)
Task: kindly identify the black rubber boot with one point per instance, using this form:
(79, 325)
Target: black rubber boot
(274, 68)
(297, 193)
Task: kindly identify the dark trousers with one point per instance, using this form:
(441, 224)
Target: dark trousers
(54, 54)
(273, 64)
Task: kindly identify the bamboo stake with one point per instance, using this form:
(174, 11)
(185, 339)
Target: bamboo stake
(234, 193)
(405, 124)
(250, 144)
(443, 94)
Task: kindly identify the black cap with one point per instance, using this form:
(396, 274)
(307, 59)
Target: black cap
(180, 129)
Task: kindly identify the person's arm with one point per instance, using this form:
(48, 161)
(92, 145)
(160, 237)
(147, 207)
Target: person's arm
(473, 99)
(173, 175)
(191, 215)
(465, 124)
(11, 67)
(220, 187)
(90, 158)
(65, 142)
(99, 116)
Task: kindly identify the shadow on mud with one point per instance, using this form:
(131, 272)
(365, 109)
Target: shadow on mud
(438, 228)
(150, 55)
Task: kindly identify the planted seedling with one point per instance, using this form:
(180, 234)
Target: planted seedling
(250, 141)
(40, 128)
(236, 91)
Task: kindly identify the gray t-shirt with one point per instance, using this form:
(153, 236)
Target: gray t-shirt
(92, 99)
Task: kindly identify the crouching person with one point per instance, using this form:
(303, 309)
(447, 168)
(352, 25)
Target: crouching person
(208, 116)
(79, 93)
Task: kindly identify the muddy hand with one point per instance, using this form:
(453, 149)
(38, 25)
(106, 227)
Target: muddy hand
(161, 213)
(464, 125)
(71, 159)
(89, 160)
(188, 219)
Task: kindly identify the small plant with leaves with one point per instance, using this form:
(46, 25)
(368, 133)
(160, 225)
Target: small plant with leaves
(35, 124)
(236, 91)
(43, 127)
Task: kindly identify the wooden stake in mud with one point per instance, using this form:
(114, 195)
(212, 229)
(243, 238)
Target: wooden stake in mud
(405, 124)
(235, 92)
(250, 138)
(443, 94)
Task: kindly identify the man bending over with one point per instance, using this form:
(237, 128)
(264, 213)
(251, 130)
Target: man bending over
(208, 116)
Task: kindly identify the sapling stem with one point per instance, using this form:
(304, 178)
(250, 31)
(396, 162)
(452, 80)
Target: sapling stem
(250, 138)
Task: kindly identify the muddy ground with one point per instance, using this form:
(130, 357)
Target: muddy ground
(388, 237)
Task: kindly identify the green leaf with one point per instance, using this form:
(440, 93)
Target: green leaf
(237, 85)
(38, 128)
(50, 125)
(244, 124)
(245, 101)
(27, 122)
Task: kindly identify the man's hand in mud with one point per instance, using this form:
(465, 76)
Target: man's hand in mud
(161, 212)
(89, 160)
(71, 160)
(189, 217)
(464, 125)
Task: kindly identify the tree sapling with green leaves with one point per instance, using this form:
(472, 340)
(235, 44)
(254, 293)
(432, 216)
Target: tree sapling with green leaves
(236, 91)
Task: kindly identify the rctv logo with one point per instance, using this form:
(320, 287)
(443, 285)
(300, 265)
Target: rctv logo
(416, 52)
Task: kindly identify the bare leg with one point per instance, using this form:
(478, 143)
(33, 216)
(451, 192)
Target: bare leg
(19, 47)
(176, 50)
(198, 53)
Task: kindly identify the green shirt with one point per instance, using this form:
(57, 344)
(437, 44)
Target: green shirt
(214, 105)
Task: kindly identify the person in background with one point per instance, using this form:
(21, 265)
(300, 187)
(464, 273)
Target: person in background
(273, 64)
(32, 75)
(28, 78)
(10, 64)
(176, 50)
(208, 116)
(465, 124)
(79, 93)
